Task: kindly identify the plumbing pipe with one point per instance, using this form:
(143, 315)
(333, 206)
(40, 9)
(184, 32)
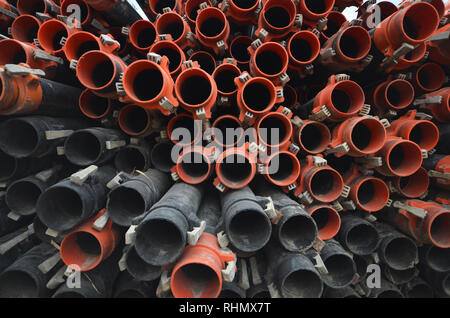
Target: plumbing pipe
(231, 290)
(386, 290)
(165, 46)
(33, 6)
(414, 57)
(296, 230)
(133, 157)
(393, 94)
(69, 202)
(172, 23)
(85, 247)
(161, 156)
(94, 106)
(128, 287)
(196, 90)
(52, 36)
(396, 250)
(282, 168)
(212, 29)
(162, 234)
(437, 258)
(158, 96)
(428, 77)
(439, 5)
(422, 132)
(383, 9)
(358, 235)
(139, 269)
(205, 60)
(191, 8)
(224, 76)
(269, 60)
(417, 288)
(81, 42)
(437, 103)
(311, 136)
(227, 131)
(13, 233)
(327, 220)
(89, 146)
(35, 136)
(142, 34)
(412, 186)
(274, 129)
(116, 12)
(158, 6)
(303, 48)
(100, 71)
(184, 130)
(193, 166)
(135, 195)
(245, 222)
(137, 121)
(290, 97)
(398, 277)
(14, 168)
(238, 50)
(7, 17)
(438, 46)
(256, 97)
(241, 12)
(25, 28)
(293, 274)
(314, 11)
(90, 19)
(335, 20)
(440, 281)
(318, 181)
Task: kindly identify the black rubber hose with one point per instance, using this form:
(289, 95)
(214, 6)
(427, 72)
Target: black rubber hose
(128, 287)
(358, 235)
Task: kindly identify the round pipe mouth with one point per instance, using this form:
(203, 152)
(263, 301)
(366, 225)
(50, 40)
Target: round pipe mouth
(249, 230)
(368, 135)
(244, 5)
(173, 52)
(318, 7)
(83, 148)
(439, 5)
(419, 21)
(271, 59)
(85, 10)
(96, 70)
(196, 279)
(279, 15)
(314, 137)
(194, 87)
(60, 208)
(354, 43)
(94, 106)
(205, 60)
(161, 156)
(19, 137)
(327, 219)
(439, 229)
(235, 169)
(347, 98)
(415, 185)
(12, 52)
(430, 77)
(139, 269)
(283, 168)
(290, 96)
(297, 233)
(136, 79)
(274, 130)
(425, 134)
(325, 184)
(362, 239)
(416, 54)
(9, 280)
(158, 5)
(438, 258)
(129, 159)
(303, 47)
(227, 131)
(302, 283)
(404, 158)
(124, 204)
(258, 95)
(51, 33)
(335, 21)
(224, 76)
(400, 276)
(191, 8)
(400, 253)
(25, 28)
(79, 43)
(8, 167)
(371, 194)
(134, 120)
(22, 195)
(184, 130)
(31, 6)
(420, 290)
(171, 23)
(341, 271)
(399, 94)
(211, 24)
(142, 34)
(193, 166)
(239, 48)
(81, 250)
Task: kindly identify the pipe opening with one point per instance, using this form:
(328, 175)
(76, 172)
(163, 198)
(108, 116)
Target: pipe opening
(225, 80)
(161, 156)
(239, 49)
(417, 54)
(372, 194)
(85, 244)
(79, 43)
(278, 17)
(301, 50)
(298, 232)
(11, 280)
(390, 294)
(8, 166)
(31, 6)
(301, 284)
(399, 94)
(171, 24)
(425, 134)
(134, 120)
(235, 168)
(93, 106)
(83, 148)
(361, 136)
(440, 230)
(211, 26)
(355, 42)
(362, 239)
(11, 52)
(290, 96)
(195, 166)
(158, 6)
(139, 269)
(341, 100)
(124, 204)
(249, 230)
(174, 56)
(60, 208)
(258, 96)
(400, 276)
(274, 129)
(315, 137)
(182, 123)
(95, 69)
(195, 89)
(191, 9)
(205, 61)
(141, 88)
(286, 166)
(420, 290)
(335, 21)
(414, 185)
(269, 62)
(19, 138)
(430, 77)
(25, 28)
(420, 21)
(319, 6)
(341, 164)
(195, 280)
(143, 34)
(328, 222)
(400, 253)
(50, 35)
(361, 266)
(230, 130)
(341, 270)
(405, 158)
(22, 196)
(438, 258)
(129, 159)
(326, 185)
(244, 4)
